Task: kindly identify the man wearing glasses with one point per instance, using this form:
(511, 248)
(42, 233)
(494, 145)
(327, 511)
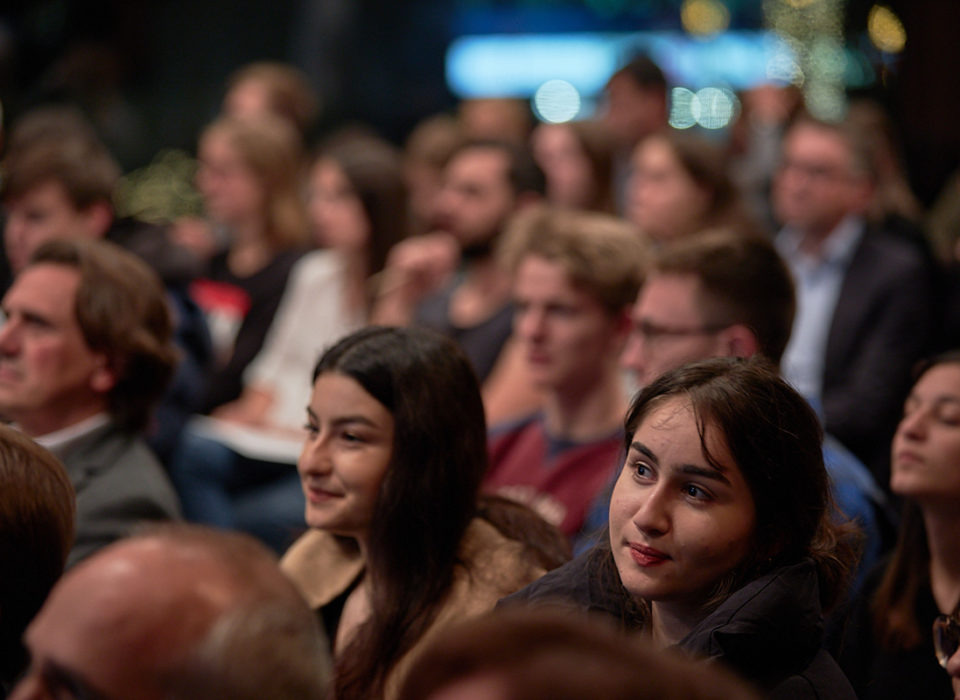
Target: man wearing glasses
(865, 298)
(722, 294)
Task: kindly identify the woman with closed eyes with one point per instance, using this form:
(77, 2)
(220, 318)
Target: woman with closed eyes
(907, 616)
(720, 538)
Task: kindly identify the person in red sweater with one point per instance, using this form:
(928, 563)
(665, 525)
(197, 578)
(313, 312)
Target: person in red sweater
(574, 277)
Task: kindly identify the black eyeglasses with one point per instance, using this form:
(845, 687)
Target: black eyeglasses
(946, 636)
(651, 331)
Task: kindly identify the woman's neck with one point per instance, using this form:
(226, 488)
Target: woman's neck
(943, 539)
(248, 256)
(671, 622)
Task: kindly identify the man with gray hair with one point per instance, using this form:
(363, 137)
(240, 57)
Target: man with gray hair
(176, 613)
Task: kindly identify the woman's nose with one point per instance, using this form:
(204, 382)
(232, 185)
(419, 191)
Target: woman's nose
(315, 456)
(652, 516)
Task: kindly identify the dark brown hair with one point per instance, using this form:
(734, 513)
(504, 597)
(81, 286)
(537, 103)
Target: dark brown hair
(706, 164)
(908, 572)
(775, 439)
(122, 311)
(742, 280)
(372, 167)
(428, 495)
(58, 145)
(37, 511)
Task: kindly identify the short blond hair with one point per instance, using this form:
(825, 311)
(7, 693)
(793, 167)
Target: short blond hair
(602, 254)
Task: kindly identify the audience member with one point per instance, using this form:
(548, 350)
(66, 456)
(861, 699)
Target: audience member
(485, 182)
(575, 276)
(721, 540)
(237, 469)
(37, 510)
(725, 295)
(425, 155)
(58, 182)
(178, 613)
(636, 107)
(888, 651)
(577, 160)
(866, 304)
(271, 88)
(85, 353)
(524, 654)
(501, 118)
(391, 467)
(249, 178)
(681, 185)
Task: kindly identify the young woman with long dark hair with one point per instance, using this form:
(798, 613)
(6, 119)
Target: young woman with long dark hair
(391, 467)
(888, 649)
(721, 540)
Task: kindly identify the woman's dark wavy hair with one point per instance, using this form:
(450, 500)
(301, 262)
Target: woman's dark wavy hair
(428, 495)
(893, 607)
(775, 438)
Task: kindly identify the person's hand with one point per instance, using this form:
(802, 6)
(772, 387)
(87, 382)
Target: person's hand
(416, 268)
(250, 408)
(194, 234)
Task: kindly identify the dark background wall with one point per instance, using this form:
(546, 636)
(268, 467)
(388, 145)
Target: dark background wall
(153, 71)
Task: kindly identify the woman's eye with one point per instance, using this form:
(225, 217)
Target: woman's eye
(642, 470)
(695, 492)
(311, 429)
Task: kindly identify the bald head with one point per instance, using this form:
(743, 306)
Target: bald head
(155, 616)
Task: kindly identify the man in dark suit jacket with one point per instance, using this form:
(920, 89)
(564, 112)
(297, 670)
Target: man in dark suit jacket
(85, 353)
(866, 296)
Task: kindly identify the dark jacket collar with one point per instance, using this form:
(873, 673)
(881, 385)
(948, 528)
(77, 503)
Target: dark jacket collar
(769, 628)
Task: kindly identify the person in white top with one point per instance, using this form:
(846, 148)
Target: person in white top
(236, 468)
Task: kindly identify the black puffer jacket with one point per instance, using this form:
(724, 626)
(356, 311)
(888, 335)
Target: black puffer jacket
(769, 631)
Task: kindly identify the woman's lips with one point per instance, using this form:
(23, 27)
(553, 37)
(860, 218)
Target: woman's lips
(907, 457)
(647, 556)
(318, 495)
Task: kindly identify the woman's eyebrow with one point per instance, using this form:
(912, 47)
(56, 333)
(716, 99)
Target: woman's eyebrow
(705, 472)
(644, 450)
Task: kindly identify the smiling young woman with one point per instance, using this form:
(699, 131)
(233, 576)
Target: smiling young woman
(391, 467)
(721, 540)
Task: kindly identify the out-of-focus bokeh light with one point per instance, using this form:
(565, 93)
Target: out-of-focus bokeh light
(717, 107)
(826, 101)
(556, 101)
(681, 108)
(813, 30)
(783, 68)
(886, 30)
(710, 107)
(704, 17)
(827, 59)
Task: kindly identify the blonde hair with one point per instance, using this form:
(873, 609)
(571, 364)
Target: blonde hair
(271, 149)
(601, 253)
